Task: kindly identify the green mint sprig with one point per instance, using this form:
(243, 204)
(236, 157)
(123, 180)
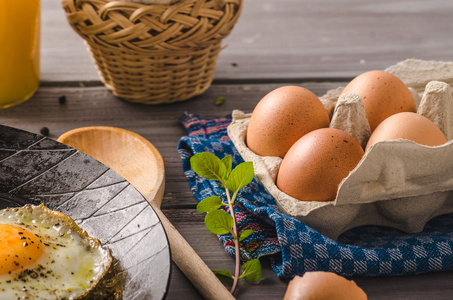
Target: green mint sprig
(218, 221)
(219, 101)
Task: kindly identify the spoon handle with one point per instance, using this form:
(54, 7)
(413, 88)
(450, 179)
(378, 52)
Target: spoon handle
(191, 264)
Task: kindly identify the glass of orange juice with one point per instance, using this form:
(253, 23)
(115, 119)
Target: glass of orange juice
(19, 50)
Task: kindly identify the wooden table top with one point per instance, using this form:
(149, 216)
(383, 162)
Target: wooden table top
(319, 45)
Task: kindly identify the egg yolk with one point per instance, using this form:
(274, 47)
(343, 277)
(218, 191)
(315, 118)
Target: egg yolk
(18, 248)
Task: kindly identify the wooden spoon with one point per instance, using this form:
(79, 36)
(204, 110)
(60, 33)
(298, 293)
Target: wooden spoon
(139, 162)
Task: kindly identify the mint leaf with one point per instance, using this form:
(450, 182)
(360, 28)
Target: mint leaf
(209, 204)
(209, 166)
(225, 273)
(219, 101)
(219, 222)
(245, 234)
(228, 162)
(240, 176)
(251, 270)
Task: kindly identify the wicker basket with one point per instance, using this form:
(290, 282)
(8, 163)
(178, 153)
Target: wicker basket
(154, 53)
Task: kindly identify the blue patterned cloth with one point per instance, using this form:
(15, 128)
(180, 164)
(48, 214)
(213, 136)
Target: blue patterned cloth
(295, 248)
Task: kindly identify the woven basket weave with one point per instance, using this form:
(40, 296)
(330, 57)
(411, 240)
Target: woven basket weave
(155, 53)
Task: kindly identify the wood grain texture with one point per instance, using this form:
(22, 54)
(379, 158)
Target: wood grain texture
(95, 106)
(290, 39)
(331, 39)
(319, 45)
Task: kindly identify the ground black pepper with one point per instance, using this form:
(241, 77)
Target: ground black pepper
(62, 99)
(45, 131)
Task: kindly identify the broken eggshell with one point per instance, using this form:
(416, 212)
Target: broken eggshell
(397, 183)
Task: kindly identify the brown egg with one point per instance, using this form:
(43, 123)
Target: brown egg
(282, 117)
(408, 126)
(383, 95)
(323, 286)
(317, 163)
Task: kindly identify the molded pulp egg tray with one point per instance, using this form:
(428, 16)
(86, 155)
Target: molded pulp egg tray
(398, 183)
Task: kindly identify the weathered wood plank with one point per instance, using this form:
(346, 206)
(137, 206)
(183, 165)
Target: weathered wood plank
(159, 124)
(274, 43)
(317, 39)
(96, 106)
(290, 39)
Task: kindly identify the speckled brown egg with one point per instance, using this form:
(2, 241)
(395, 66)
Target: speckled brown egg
(383, 95)
(317, 163)
(282, 117)
(323, 286)
(408, 126)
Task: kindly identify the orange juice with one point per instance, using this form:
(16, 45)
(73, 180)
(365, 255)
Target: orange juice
(19, 50)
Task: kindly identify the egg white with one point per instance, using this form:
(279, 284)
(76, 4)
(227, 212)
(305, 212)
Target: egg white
(71, 264)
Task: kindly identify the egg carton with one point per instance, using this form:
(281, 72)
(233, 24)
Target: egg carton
(398, 183)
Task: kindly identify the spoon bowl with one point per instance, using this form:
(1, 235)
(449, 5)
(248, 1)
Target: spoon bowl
(139, 162)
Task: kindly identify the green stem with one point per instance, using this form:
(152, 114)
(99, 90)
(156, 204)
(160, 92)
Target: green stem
(236, 243)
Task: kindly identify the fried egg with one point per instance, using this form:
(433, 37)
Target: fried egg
(45, 255)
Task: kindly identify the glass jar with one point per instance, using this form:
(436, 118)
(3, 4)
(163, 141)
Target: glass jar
(19, 50)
